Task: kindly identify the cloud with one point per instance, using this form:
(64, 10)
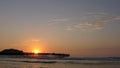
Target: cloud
(94, 22)
(89, 21)
(57, 21)
(69, 28)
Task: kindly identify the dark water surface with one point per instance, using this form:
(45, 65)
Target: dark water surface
(107, 62)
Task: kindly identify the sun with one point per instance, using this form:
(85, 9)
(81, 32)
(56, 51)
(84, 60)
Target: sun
(36, 51)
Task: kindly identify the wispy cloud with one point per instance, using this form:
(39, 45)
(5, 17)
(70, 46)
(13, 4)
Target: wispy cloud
(89, 21)
(69, 28)
(94, 22)
(58, 21)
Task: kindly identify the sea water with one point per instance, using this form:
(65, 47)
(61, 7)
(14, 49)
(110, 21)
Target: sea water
(81, 62)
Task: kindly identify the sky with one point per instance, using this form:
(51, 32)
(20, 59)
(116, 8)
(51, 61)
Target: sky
(77, 27)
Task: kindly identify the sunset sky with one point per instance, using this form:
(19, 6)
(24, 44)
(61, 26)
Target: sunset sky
(77, 27)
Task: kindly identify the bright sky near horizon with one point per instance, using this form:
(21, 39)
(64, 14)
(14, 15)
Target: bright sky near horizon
(78, 27)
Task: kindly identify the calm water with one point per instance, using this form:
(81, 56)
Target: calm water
(60, 63)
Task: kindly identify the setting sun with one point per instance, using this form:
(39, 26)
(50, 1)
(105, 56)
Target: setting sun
(36, 51)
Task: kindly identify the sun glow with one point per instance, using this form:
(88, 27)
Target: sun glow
(36, 51)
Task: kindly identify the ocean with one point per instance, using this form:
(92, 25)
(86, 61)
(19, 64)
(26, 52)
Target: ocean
(71, 62)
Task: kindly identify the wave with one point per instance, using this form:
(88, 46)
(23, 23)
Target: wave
(85, 62)
(94, 58)
(70, 60)
(33, 61)
(47, 62)
(92, 63)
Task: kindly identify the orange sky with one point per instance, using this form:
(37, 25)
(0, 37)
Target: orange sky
(77, 27)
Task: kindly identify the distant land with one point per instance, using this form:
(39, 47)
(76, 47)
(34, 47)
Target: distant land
(20, 52)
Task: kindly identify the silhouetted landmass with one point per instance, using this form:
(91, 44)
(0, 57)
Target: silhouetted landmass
(11, 52)
(20, 52)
